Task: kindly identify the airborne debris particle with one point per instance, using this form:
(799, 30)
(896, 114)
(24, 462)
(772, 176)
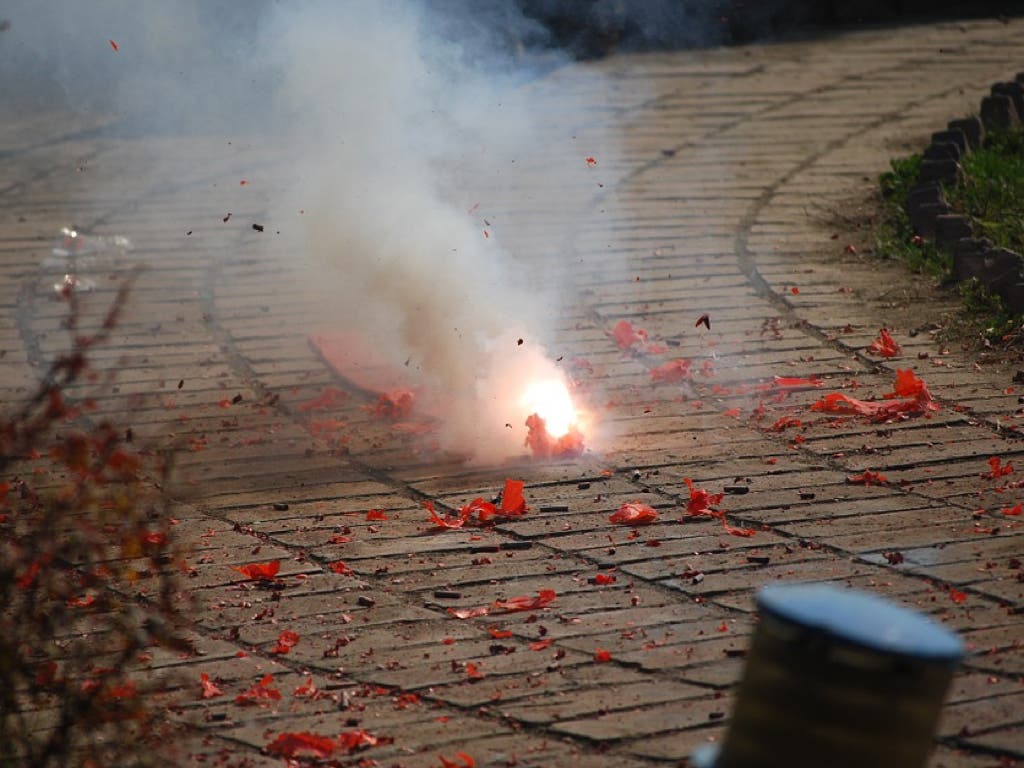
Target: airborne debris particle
(225, 219)
(258, 227)
(114, 45)
(703, 320)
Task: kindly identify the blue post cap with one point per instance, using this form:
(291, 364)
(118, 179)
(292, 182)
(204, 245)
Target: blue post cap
(862, 619)
(840, 678)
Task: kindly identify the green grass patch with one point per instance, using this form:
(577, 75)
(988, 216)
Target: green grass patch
(993, 193)
(992, 197)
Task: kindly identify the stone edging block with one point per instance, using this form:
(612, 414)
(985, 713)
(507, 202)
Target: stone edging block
(998, 269)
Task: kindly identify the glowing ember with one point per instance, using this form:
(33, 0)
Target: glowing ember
(550, 401)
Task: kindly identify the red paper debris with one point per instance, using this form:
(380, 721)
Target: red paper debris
(473, 671)
(296, 744)
(919, 400)
(540, 645)
(701, 502)
(285, 642)
(462, 760)
(1013, 511)
(867, 477)
(634, 513)
(734, 531)
(210, 690)
(998, 469)
(885, 345)
(784, 422)
(797, 381)
(673, 370)
(259, 571)
(376, 514)
(794, 290)
(307, 689)
(114, 45)
(957, 596)
(703, 320)
(543, 446)
(353, 740)
(444, 522)
(339, 566)
(395, 405)
(329, 398)
(512, 501)
(482, 509)
(601, 655)
(604, 578)
(626, 336)
(733, 412)
(500, 634)
(259, 692)
(514, 604)
(591, 162)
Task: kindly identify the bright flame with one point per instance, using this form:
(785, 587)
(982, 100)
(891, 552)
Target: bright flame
(551, 401)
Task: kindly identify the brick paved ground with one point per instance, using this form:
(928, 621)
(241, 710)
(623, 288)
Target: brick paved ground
(728, 173)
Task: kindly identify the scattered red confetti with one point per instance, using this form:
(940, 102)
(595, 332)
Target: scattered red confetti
(591, 162)
(540, 645)
(998, 469)
(733, 412)
(259, 571)
(210, 690)
(723, 627)
(376, 514)
(295, 744)
(329, 398)
(352, 740)
(395, 405)
(701, 502)
(285, 642)
(473, 671)
(542, 445)
(867, 477)
(885, 345)
(307, 689)
(634, 513)
(957, 596)
(514, 604)
(601, 655)
(114, 45)
(500, 634)
(703, 320)
(259, 692)
(794, 290)
(462, 760)
(339, 566)
(785, 422)
(1013, 511)
(604, 578)
(81, 602)
(673, 370)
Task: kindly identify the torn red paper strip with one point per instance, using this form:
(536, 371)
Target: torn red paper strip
(513, 503)
(702, 502)
(867, 477)
(462, 760)
(885, 345)
(515, 604)
(297, 744)
(259, 571)
(285, 642)
(626, 336)
(634, 513)
(210, 690)
(445, 522)
(259, 692)
(797, 381)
